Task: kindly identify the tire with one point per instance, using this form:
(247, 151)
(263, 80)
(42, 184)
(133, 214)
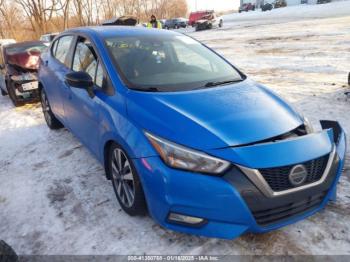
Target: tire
(126, 182)
(51, 121)
(221, 23)
(7, 254)
(12, 94)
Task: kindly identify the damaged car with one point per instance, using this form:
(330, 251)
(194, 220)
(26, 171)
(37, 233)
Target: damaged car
(209, 21)
(184, 135)
(19, 65)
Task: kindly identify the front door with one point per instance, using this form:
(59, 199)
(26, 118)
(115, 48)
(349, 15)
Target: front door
(82, 111)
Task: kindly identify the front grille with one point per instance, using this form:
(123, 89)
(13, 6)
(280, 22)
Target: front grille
(278, 214)
(278, 180)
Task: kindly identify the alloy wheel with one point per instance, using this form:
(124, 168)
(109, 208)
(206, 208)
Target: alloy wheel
(123, 178)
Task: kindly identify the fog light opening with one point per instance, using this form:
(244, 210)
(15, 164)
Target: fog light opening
(176, 218)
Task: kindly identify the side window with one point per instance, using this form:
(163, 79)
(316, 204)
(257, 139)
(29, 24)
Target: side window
(62, 48)
(99, 75)
(85, 59)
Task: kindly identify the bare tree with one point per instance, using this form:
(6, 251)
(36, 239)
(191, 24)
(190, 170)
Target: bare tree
(28, 19)
(64, 6)
(39, 13)
(5, 20)
(10, 18)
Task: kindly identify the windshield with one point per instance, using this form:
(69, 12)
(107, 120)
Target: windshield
(168, 63)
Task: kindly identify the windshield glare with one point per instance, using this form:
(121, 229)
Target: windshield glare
(32, 48)
(168, 63)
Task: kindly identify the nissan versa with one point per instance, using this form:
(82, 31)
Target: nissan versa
(185, 135)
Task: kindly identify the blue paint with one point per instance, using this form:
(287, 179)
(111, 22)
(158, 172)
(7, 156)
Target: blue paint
(216, 121)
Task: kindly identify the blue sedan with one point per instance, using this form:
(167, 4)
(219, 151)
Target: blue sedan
(186, 136)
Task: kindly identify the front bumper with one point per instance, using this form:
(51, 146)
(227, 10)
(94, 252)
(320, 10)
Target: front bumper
(19, 84)
(202, 26)
(233, 204)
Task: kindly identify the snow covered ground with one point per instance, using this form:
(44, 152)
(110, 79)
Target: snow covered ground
(54, 198)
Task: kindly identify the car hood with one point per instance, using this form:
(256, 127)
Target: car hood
(219, 117)
(201, 21)
(24, 60)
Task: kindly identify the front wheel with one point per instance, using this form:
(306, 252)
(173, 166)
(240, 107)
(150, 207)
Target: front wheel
(126, 182)
(51, 121)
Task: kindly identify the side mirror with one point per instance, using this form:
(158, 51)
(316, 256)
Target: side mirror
(81, 80)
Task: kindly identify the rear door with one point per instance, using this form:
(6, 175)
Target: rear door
(54, 68)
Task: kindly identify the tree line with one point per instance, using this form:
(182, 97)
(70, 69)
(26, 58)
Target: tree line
(29, 19)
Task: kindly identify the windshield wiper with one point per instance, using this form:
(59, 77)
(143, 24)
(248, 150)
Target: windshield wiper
(219, 83)
(146, 89)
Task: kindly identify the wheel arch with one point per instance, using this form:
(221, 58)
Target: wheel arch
(106, 150)
(136, 146)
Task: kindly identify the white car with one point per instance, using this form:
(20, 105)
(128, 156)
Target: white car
(208, 22)
(3, 42)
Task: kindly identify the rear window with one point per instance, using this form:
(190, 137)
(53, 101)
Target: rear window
(30, 48)
(61, 48)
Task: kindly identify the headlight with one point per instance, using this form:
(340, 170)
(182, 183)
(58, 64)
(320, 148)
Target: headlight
(308, 126)
(181, 157)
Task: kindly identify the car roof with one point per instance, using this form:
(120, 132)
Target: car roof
(26, 43)
(49, 34)
(112, 31)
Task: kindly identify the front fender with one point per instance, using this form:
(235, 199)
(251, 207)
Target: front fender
(117, 127)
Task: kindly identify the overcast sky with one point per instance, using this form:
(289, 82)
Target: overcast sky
(217, 5)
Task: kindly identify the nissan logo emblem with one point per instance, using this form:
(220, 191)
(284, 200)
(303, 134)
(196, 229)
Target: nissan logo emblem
(298, 175)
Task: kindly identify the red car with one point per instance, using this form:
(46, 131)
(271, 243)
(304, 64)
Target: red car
(246, 7)
(19, 65)
(195, 16)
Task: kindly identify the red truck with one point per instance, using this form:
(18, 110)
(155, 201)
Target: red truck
(195, 16)
(246, 7)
